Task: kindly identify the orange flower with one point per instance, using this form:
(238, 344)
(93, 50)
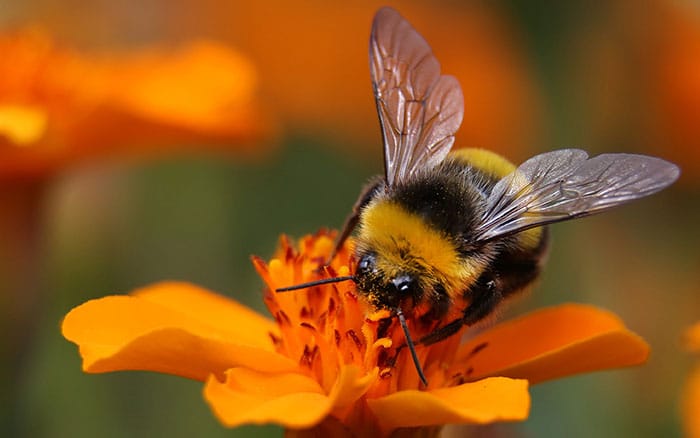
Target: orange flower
(691, 396)
(58, 107)
(319, 363)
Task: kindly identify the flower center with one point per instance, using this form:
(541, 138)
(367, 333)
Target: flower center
(328, 326)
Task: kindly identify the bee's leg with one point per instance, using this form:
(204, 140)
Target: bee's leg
(441, 333)
(518, 271)
(368, 193)
(511, 273)
(485, 297)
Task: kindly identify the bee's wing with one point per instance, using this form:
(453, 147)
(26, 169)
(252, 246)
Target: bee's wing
(566, 184)
(419, 109)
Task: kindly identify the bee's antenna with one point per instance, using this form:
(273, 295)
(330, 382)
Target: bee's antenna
(315, 283)
(411, 347)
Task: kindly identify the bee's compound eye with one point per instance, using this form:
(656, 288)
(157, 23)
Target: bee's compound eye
(404, 284)
(366, 264)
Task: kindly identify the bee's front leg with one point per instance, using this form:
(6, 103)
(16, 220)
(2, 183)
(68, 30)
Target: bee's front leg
(485, 296)
(442, 333)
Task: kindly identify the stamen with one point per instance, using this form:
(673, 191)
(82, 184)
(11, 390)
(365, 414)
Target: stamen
(352, 335)
(477, 349)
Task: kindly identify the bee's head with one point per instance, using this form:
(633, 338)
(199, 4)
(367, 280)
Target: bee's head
(391, 286)
(387, 285)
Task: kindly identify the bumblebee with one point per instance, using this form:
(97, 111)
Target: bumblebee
(446, 236)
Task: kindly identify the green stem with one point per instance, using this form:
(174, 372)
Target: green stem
(20, 241)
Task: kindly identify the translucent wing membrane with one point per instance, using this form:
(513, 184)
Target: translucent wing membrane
(419, 109)
(565, 184)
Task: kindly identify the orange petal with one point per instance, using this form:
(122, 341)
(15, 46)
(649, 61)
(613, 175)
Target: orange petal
(692, 338)
(249, 397)
(691, 405)
(351, 385)
(485, 401)
(133, 333)
(237, 321)
(203, 84)
(551, 343)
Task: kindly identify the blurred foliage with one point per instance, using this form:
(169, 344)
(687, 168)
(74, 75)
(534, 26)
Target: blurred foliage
(116, 225)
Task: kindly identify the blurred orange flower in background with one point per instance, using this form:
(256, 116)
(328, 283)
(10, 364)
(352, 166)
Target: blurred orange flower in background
(691, 396)
(675, 86)
(312, 57)
(637, 68)
(319, 364)
(59, 107)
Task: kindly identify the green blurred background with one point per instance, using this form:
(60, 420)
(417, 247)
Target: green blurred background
(593, 75)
